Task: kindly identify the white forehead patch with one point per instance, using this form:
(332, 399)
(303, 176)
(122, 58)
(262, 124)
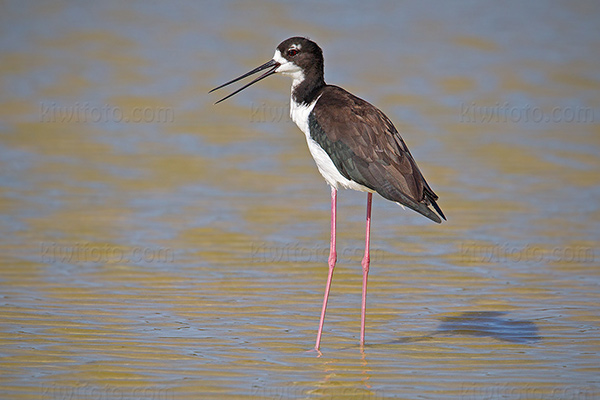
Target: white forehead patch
(279, 58)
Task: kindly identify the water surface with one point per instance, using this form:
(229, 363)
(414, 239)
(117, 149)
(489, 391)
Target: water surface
(157, 246)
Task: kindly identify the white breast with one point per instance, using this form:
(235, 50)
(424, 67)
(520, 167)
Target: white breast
(299, 114)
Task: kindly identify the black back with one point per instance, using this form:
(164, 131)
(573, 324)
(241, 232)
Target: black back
(366, 148)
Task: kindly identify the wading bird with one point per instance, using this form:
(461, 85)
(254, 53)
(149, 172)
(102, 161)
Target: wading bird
(353, 143)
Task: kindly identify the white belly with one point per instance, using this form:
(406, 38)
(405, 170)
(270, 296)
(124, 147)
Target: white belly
(299, 114)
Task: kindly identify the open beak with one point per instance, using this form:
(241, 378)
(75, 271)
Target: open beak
(266, 65)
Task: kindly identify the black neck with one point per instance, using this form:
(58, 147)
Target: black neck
(309, 88)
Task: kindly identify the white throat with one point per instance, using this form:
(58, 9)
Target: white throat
(288, 68)
(300, 113)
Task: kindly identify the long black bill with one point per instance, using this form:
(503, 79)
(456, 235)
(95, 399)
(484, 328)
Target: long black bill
(266, 65)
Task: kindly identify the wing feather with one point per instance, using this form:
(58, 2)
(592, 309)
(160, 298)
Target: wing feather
(366, 148)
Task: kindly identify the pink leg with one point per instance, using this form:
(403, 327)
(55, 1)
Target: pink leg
(365, 265)
(332, 260)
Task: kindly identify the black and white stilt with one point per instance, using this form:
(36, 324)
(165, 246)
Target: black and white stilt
(353, 143)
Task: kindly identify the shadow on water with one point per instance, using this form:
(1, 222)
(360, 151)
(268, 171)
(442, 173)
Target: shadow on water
(494, 324)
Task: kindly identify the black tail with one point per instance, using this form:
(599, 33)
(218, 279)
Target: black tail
(438, 209)
(431, 198)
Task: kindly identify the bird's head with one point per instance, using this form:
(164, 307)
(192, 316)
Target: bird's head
(295, 57)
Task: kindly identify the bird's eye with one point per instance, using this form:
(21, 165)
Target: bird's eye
(292, 52)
